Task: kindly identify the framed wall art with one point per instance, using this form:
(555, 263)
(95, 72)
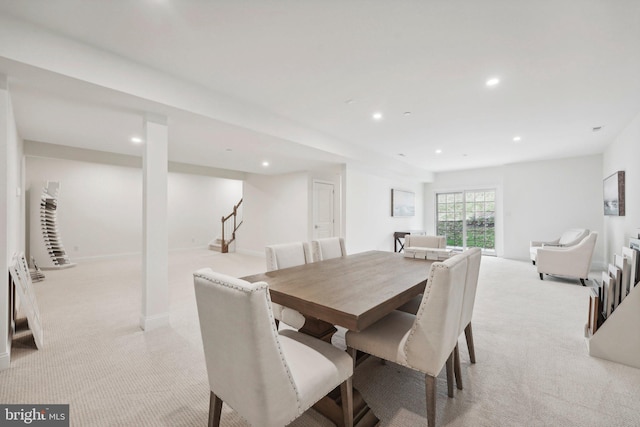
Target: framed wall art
(403, 203)
(613, 194)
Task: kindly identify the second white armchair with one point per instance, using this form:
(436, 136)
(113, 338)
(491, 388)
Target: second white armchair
(573, 261)
(570, 237)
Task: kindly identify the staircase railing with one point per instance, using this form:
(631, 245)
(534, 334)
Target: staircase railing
(230, 230)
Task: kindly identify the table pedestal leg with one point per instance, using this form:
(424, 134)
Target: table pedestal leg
(318, 329)
(331, 405)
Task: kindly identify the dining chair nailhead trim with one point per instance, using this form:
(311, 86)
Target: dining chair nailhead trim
(274, 331)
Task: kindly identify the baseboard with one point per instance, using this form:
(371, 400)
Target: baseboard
(190, 248)
(5, 359)
(107, 257)
(149, 323)
(250, 252)
(131, 254)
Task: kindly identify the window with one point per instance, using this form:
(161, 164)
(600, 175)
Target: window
(467, 219)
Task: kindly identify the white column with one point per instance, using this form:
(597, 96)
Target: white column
(5, 345)
(155, 234)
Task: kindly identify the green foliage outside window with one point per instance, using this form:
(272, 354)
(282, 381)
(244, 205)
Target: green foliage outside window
(477, 208)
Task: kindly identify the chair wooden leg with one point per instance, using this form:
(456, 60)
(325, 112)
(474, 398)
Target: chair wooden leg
(456, 367)
(449, 366)
(353, 353)
(468, 333)
(346, 394)
(430, 383)
(215, 410)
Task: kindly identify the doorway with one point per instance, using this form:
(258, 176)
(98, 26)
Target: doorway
(467, 219)
(323, 209)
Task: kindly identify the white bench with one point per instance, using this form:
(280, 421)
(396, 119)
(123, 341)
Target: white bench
(435, 254)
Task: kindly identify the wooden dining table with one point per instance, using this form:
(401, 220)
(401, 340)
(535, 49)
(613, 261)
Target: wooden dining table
(354, 292)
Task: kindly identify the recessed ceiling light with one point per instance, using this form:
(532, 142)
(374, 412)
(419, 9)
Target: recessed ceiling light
(377, 116)
(493, 81)
(401, 154)
(228, 149)
(136, 139)
(265, 164)
(407, 113)
(516, 139)
(349, 101)
(438, 151)
(596, 128)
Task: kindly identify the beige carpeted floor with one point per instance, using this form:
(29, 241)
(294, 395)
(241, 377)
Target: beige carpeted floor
(533, 368)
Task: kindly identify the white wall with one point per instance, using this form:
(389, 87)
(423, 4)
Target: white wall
(279, 208)
(623, 155)
(100, 206)
(11, 212)
(535, 200)
(369, 224)
(542, 199)
(196, 205)
(276, 210)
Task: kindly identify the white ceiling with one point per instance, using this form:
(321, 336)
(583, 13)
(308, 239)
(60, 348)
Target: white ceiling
(565, 67)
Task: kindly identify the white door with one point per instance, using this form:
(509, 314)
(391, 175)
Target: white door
(322, 209)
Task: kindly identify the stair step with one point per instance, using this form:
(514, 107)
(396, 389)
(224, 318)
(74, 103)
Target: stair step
(216, 245)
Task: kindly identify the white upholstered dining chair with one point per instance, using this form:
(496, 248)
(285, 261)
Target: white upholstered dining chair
(269, 378)
(470, 287)
(425, 341)
(419, 241)
(330, 247)
(469, 299)
(286, 255)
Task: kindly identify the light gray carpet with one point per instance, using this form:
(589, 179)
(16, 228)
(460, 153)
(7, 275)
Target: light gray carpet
(533, 368)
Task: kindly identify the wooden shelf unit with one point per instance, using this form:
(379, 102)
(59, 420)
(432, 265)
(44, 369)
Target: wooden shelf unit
(618, 338)
(45, 245)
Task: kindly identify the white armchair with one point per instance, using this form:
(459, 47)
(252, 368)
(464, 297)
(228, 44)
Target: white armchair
(270, 379)
(330, 247)
(573, 261)
(570, 237)
(283, 256)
